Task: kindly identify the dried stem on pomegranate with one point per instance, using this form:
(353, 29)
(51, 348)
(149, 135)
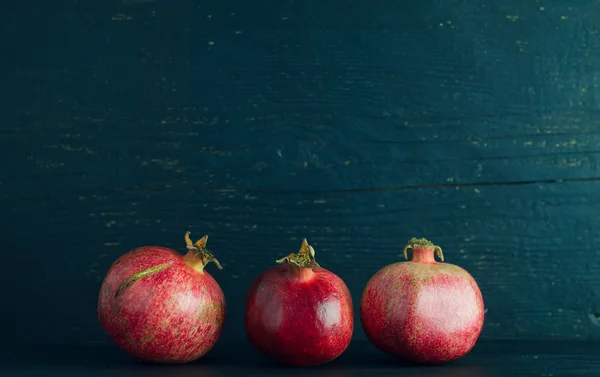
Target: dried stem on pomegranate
(305, 258)
(201, 251)
(422, 243)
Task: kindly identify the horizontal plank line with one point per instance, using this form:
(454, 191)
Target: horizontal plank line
(473, 184)
(390, 188)
(471, 159)
(321, 192)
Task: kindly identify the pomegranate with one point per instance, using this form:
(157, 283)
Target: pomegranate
(422, 311)
(161, 306)
(299, 313)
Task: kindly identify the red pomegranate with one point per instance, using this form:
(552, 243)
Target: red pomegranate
(422, 311)
(299, 313)
(161, 306)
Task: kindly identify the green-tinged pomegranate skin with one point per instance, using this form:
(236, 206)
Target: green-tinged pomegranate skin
(422, 311)
(299, 315)
(161, 306)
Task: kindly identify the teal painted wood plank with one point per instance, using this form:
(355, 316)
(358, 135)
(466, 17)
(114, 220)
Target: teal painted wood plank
(524, 245)
(128, 123)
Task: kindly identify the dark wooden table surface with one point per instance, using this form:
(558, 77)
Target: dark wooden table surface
(488, 359)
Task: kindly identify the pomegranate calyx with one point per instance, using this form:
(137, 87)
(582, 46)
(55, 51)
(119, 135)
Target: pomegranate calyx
(305, 258)
(422, 243)
(199, 256)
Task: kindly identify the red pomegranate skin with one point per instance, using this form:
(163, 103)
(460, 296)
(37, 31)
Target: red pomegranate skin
(299, 316)
(422, 311)
(173, 314)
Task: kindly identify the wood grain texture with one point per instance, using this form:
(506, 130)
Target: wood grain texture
(358, 127)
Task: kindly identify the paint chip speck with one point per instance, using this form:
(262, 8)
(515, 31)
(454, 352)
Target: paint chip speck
(121, 17)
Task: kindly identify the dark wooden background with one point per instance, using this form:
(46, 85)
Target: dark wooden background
(356, 124)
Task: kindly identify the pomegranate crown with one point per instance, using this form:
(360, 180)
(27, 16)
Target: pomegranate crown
(304, 258)
(422, 243)
(201, 251)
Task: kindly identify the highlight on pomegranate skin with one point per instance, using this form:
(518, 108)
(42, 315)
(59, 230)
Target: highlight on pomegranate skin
(422, 311)
(161, 306)
(299, 313)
